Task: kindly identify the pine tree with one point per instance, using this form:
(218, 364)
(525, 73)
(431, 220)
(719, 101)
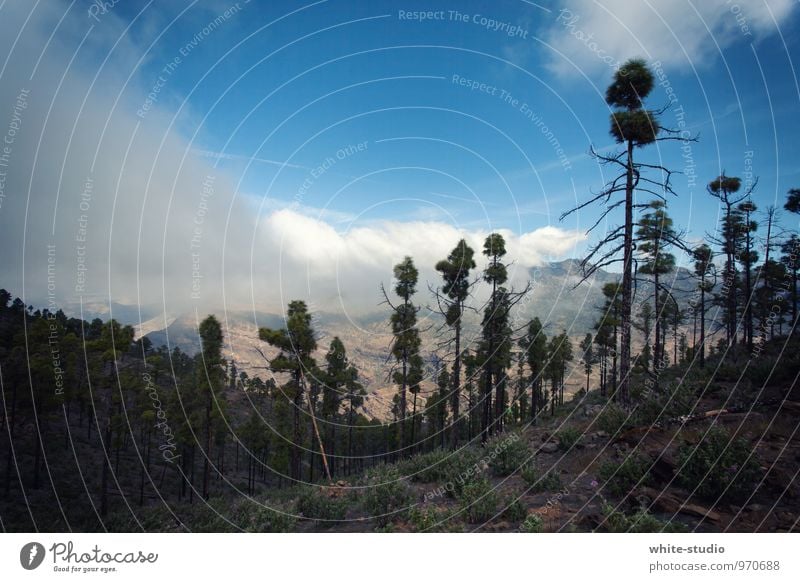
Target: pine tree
(416, 372)
(587, 349)
(355, 398)
(747, 258)
(559, 353)
(210, 381)
(337, 375)
(455, 271)
(790, 250)
(443, 383)
(656, 235)
(645, 325)
(534, 344)
(472, 387)
(608, 331)
(406, 342)
(635, 127)
(791, 255)
(521, 396)
(726, 190)
(496, 335)
(703, 269)
(296, 344)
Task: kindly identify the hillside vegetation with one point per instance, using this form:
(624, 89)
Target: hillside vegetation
(686, 418)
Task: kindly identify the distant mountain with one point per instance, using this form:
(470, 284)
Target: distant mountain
(554, 298)
(92, 308)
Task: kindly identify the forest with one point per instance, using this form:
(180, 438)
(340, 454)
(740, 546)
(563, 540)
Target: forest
(686, 421)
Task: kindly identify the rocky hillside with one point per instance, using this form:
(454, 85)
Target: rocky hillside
(553, 298)
(713, 453)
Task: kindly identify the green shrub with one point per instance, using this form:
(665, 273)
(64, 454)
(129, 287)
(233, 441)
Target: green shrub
(462, 468)
(727, 372)
(387, 496)
(639, 522)
(532, 524)
(423, 519)
(718, 467)
(620, 479)
(151, 519)
(262, 518)
(613, 419)
(431, 519)
(507, 453)
(783, 351)
(429, 467)
(515, 511)
(537, 482)
(479, 501)
(315, 503)
(568, 437)
(675, 400)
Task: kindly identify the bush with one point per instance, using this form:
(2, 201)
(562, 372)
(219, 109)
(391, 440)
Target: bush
(515, 511)
(620, 479)
(260, 518)
(156, 518)
(568, 437)
(550, 481)
(727, 372)
(718, 467)
(613, 419)
(207, 518)
(532, 524)
(387, 496)
(461, 468)
(639, 522)
(431, 520)
(672, 403)
(429, 467)
(507, 453)
(315, 503)
(479, 501)
(423, 520)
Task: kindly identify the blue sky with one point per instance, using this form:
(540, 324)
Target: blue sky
(389, 83)
(330, 125)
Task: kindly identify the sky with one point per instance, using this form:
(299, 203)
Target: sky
(217, 154)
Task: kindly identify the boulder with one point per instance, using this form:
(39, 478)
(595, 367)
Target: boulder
(549, 448)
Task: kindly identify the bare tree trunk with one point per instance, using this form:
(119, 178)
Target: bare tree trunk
(350, 439)
(659, 347)
(702, 327)
(141, 469)
(207, 453)
(627, 284)
(748, 299)
(456, 386)
(104, 477)
(319, 438)
(414, 422)
(11, 427)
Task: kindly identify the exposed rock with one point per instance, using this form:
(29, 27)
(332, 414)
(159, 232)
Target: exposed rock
(670, 503)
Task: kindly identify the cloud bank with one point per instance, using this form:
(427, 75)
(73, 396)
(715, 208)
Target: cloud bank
(593, 35)
(101, 204)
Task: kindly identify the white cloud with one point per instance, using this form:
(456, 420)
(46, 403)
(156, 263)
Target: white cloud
(596, 34)
(327, 265)
(161, 221)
